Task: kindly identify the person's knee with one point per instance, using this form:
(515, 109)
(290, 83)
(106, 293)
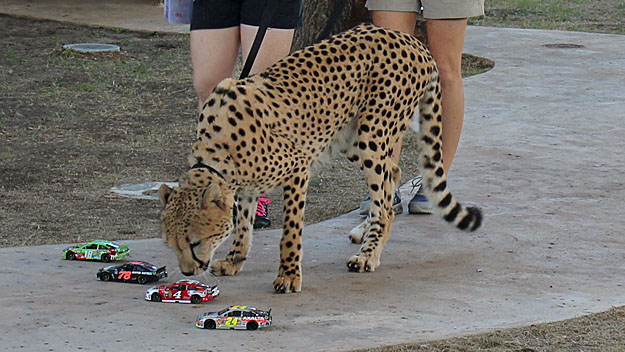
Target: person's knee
(203, 88)
(449, 73)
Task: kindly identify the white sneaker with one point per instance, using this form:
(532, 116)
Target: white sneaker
(419, 204)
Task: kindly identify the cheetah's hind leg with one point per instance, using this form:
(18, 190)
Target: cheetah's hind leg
(357, 234)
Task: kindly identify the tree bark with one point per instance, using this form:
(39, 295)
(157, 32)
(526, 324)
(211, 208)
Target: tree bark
(316, 14)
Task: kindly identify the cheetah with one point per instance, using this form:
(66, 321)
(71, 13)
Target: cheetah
(354, 93)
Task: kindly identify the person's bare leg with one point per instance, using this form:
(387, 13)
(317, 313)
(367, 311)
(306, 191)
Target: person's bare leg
(400, 21)
(445, 41)
(276, 45)
(214, 53)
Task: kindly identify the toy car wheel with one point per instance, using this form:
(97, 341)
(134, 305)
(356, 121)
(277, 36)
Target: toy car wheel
(105, 258)
(142, 279)
(195, 299)
(252, 325)
(70, 256)
(105, 276)
(210, 324)
(156, 297)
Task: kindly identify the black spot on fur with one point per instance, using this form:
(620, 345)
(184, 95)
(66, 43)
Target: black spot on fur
(441, 187)
(445, 201)
(451, 216)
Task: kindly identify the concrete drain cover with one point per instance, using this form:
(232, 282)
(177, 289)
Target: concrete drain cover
(563, 46)
(146, 190)
(91, 47)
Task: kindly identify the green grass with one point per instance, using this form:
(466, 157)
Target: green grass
(85, 87)
(606, 16)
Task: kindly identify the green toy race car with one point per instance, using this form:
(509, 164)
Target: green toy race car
(97, 250)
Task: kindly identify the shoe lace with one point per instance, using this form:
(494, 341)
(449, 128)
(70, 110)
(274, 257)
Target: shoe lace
(416, 184)
(261, 206)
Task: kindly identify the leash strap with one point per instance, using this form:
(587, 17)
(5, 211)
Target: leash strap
(264, 24)
(334, 16)
(258, 40)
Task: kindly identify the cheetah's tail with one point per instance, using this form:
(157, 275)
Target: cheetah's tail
(431, 162)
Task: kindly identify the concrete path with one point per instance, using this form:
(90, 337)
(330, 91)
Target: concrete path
(542, 154)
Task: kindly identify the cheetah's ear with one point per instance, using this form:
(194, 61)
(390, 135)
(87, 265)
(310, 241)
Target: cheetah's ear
(164, 192)
(212, 194)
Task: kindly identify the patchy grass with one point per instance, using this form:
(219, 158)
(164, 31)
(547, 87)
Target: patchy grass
(605, 16)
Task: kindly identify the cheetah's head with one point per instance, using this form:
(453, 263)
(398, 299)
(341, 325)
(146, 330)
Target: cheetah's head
(195, 221)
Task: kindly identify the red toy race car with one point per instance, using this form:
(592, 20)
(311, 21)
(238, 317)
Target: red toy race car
(183, 291)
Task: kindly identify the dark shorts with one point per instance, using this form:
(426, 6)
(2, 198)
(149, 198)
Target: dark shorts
(215, 14)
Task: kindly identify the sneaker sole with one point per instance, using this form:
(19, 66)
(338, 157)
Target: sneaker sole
(419, 210)
(398, 209)
(261, 225)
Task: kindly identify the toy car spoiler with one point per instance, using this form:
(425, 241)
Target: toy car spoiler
(161, 271)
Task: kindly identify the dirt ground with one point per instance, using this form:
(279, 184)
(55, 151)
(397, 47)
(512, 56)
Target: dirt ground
(74, 125)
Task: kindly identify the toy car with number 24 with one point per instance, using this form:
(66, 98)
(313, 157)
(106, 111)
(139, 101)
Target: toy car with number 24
(235, 317)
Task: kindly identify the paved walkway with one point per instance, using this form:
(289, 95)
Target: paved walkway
(542, 153)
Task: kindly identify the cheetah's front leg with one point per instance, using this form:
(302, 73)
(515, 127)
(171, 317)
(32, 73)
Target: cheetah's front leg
(290, 272)
(242, 242)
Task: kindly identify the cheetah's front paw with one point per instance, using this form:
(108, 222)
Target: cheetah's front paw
(361, 263)
(287, 284)
(226, 267)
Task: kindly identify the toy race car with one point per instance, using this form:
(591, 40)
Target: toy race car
(97, 250)
(183, 291)
(139, 272)
(235, 317)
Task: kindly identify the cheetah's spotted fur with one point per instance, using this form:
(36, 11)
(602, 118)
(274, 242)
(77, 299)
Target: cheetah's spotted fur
(354, 93)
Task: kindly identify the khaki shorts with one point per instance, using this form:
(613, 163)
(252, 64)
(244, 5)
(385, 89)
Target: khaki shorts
(434, 9)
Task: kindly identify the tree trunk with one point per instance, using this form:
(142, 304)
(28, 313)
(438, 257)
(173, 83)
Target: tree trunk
(317, 12)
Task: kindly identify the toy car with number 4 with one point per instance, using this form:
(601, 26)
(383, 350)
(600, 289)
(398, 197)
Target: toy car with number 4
(97, 250)
(235, 317)
(139, 272)
(183, 291)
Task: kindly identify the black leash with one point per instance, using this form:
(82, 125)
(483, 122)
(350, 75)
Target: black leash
(264, 24)
(334, 16)
(258, 40)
